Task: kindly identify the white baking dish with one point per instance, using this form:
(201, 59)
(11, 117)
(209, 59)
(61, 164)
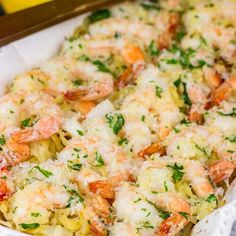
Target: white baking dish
(23, 54)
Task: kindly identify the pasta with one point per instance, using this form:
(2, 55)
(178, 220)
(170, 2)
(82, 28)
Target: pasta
(129, 130)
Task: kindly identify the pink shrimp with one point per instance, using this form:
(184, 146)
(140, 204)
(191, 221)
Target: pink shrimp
(175, 204)
(221, 170)
(196, 173)
(43, 129)
(222, 93)
(153, 148)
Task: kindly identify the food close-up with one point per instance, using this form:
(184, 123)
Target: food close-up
(129, 129)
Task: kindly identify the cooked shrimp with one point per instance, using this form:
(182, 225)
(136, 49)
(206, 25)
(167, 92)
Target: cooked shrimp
(212, 78)
(135, 28)
(132, 54)
(222, 93)
(221, 170)
(153, 102)
(172, 203)
(134, 210)
(153, 148)
(172, 225)
(37, 197)
(99, 84)
(196, 174)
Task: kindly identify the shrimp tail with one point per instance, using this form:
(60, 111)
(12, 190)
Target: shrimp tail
(73, 95)
(129, 76)
(102, 187)
(221, 170)
(43, 129)
(5, 192)
(172, 225)
(153, 148)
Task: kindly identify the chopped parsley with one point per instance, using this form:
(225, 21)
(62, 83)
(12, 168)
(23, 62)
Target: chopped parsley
(138, 200)
(29, 226)
(158, 91)
(26, 123)
(115, 121)
(2, 140)
(75, 197)
(101, 67)
(231, 139)
(153, 50)
(123, 141)
(232, 114)
(98, 160)
(117, 35)
(72, 166)
(147, 225)
(180, 35)
(184, 214)
(202, 149)
(181, 86)
(143, 118)
(83, 58)
(212, 198)
(176, 130)
(99, 15)
(77, 82)
(148, 5)
(185, 122)
(177, 172)
(165, 186)
(44, 172)
(164, 214)
(35, 214)
(81, 133)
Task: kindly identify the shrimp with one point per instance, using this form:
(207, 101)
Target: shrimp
(31, 81)
(153, 148)
(137, 28)
(222, 93)
(212, 78)
(99, 84)
(37, 197)
(135, 211)
(175, 204)
(35, 105)
(196, 173)
(43, 129)
(198, 97)
(129, 51)
(134, 28)
(99, 144)
(172, 225)
(39, 105)
(153, 102)
(6, 187)
(221, 170)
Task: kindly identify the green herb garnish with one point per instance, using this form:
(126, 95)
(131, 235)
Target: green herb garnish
(158, 91)
(115, 121)
(99, 15)
(26, 123)
(102, 67)
(72, 166)
(164, 214)
(212, 198)
(232, 114)
(177, 172)
(46, 173)
(98, 160)
(153, 50)
(2, 140)
(29, 226)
